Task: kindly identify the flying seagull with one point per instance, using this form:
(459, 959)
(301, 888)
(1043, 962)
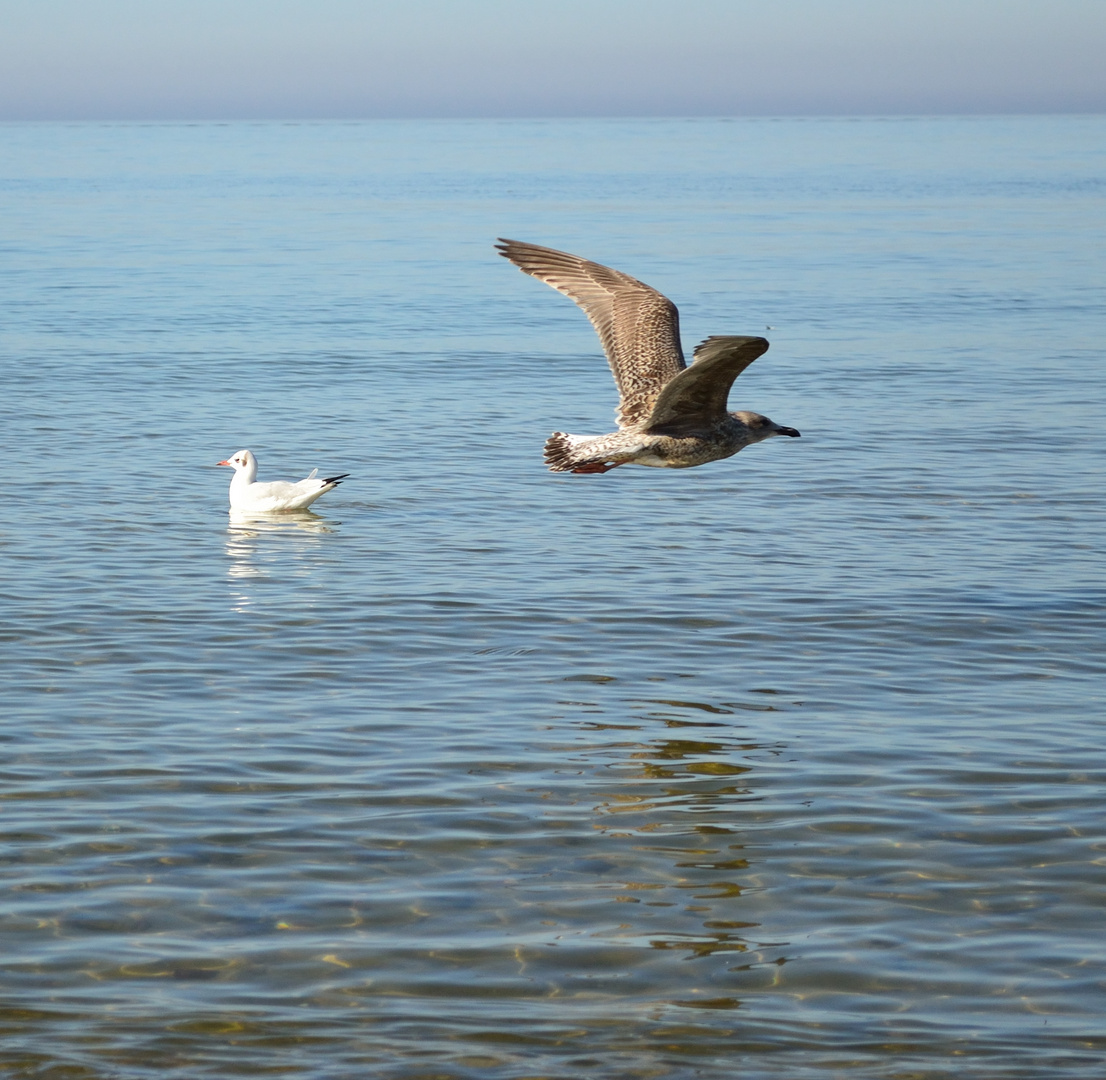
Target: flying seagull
(246, 493)
(670, 416)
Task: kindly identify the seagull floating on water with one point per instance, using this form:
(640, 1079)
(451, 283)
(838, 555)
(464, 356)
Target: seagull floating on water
(670, 416)
(264, 498)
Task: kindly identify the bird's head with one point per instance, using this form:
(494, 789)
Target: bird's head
(243, 461)
(760, 427)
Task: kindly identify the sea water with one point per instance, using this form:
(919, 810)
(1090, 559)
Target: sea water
(786, 766)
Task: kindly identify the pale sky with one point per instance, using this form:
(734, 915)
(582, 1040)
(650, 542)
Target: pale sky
(292, 59)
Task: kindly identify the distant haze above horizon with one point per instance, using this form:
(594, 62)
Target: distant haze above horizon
(300, 59)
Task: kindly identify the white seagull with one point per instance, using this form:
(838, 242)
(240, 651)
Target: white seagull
(263, 498)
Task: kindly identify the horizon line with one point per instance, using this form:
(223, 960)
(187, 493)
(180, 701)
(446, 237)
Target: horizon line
(539, 117)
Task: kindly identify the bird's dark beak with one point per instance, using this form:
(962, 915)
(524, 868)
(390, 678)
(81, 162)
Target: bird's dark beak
(787, 431)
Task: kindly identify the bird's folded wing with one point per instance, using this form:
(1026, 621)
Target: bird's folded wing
(696, 398)
(638, 326)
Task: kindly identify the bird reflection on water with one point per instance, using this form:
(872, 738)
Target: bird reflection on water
(673, 819)
(246, 531)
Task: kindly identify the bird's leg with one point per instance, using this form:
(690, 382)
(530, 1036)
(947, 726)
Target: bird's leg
(597, 467)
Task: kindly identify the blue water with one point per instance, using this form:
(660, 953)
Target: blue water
(786, 766)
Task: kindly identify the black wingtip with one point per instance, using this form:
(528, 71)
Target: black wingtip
(336, 479)
(733, 341)
(510, 249)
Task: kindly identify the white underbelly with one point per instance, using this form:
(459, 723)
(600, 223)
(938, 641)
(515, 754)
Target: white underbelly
(655, 461)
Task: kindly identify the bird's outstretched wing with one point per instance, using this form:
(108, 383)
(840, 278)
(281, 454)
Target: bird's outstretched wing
(696, 398)
(638, 326)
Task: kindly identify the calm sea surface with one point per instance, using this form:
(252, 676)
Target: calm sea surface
(787, 766)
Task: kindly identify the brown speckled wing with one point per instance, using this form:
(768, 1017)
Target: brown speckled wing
(638, 326)
(695, 400)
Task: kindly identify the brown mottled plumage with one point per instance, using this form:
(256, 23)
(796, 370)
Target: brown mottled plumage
(669, 415)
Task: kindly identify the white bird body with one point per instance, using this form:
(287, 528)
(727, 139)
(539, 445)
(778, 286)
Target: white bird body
(247, 493)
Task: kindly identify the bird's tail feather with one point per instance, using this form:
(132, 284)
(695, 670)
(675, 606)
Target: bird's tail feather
(563, 453)
(583, 453)
(558, 452)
